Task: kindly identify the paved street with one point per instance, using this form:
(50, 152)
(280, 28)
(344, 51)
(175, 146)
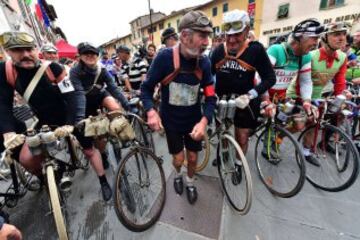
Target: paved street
(312, 214)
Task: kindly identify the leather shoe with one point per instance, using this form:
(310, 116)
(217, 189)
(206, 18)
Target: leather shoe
(236, 176)
(178, 185)
(312, 160)
(192, 194)
(106, 191)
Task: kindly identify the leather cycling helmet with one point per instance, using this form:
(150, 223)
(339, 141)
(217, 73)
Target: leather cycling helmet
(309, 27)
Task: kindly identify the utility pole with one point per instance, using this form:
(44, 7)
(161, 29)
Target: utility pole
(151, 25)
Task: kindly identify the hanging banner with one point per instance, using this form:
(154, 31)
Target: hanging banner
(251, 12)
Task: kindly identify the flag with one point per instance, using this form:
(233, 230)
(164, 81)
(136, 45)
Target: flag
(38, 12)
(44, 14)
(28, 2)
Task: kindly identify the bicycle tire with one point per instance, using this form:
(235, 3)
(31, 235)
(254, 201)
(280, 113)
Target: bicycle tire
(242, 210)
(25, 181)
(350, 149)
(55, 203)
(200, 165)
(277, 174)
(142, 135)
(123, 168)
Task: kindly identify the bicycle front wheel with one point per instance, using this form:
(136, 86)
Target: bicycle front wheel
(280, 161)
(140, 189)
(337, 157)
(55, 203)
(232, 177)
(143, 134)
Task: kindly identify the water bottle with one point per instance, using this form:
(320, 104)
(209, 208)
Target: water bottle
(288, 108)
(335, 105)
(48, 138)
(222, 107)
(231, 107)
(34, 142)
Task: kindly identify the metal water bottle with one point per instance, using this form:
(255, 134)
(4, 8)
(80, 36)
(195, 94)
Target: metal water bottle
(48, 138)
(231, 107)
(222, 107)
(335, 105)
(288, 108)
(33, 141)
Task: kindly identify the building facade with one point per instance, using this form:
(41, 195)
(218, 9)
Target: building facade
(111, 46)
(215, 10)
(139, 26)
(279, 17)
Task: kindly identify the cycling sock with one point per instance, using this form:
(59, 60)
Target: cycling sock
(238, 162)
(306, 152)
(102, 179)
(177, 174)
(189, 181)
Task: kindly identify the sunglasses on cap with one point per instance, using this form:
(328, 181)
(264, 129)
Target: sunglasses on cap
(237, 25)
(16, 37)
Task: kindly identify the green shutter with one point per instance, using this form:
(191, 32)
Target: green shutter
(323, 4)
(340, 2)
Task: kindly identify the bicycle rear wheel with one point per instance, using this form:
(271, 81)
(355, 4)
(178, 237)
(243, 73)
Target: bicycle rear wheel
(280, 161)
(238, 194)
(203, 155)
(140, 189)
(55, 203)
(338, 158)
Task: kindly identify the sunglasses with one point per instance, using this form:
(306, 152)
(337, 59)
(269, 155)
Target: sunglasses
(232, 25)
(18, 37)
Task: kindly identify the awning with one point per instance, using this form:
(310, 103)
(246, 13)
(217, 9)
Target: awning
(65, 50)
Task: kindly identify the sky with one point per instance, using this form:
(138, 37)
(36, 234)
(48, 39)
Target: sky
(100, 21)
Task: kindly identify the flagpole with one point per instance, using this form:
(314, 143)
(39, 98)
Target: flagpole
(38, 39)
(151, 24)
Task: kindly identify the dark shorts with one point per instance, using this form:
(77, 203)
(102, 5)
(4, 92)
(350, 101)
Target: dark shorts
(135, 85)
(94, 101)
(177, 141)
(248, 117)
(85, 142)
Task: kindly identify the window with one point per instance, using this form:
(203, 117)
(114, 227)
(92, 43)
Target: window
(153, 30)
(251, 1)
(225, 7)
(169, 25)
(214, 11)
(161, 26)
(324, 4)
(177, 24)
(216, 30)
(283, 11)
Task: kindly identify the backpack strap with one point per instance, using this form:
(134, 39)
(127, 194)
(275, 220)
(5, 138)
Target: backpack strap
(11, 73)
(242, 63)
(176, 63)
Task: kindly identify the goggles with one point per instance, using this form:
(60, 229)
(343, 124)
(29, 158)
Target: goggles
(338, 27)
(201, 21)
(16, 39)
(236, 26)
